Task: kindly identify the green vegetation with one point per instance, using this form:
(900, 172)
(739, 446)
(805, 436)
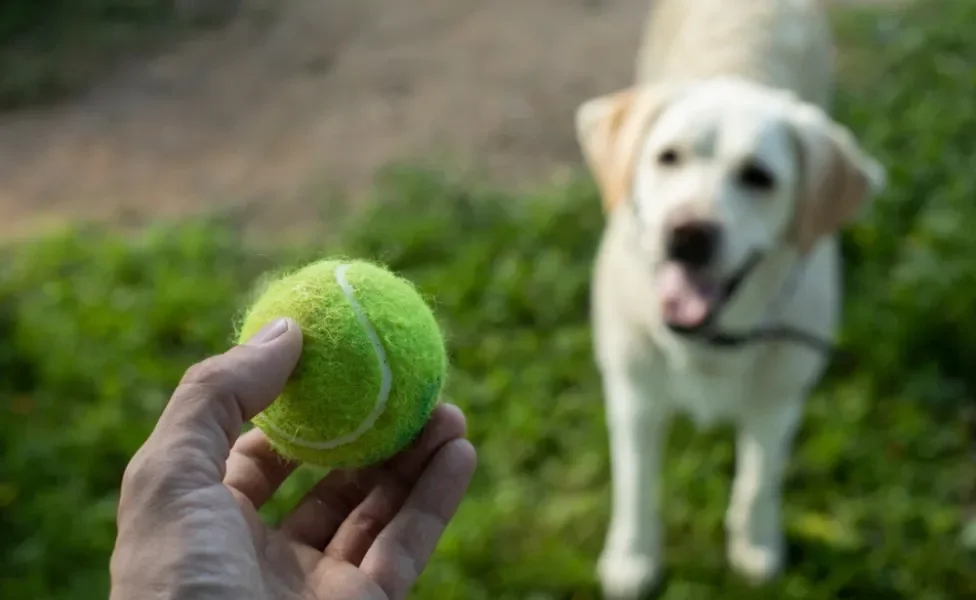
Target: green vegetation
(52, 48)
(97, 328)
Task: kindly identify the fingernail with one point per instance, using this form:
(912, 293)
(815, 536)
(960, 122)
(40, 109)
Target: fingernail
(269, 332)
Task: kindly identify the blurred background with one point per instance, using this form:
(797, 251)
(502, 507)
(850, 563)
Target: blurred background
(157, 156)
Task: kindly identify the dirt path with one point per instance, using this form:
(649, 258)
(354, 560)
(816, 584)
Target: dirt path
(268, 110)
(263, 111)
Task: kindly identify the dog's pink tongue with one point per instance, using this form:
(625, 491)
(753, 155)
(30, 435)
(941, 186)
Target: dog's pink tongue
(686, 302)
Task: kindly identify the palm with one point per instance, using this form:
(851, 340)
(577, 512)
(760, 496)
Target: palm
(357, 534)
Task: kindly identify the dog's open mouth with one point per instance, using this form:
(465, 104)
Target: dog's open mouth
(688, 299)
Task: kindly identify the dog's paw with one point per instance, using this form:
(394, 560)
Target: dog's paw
(757, 562)
(628, 576)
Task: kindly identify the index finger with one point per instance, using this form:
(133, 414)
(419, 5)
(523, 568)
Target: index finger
(254, 469)
(403, 547)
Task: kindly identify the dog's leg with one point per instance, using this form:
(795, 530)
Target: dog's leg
(631, 559)
(756, 544)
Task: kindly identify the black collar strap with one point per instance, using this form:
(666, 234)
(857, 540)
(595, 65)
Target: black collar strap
(735, 282)
(774, 333)
(707, 333)
(764, 333)
(728, 290)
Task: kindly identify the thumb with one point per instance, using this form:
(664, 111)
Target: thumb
(216, 396)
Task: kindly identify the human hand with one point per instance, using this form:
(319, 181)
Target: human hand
(188, 524)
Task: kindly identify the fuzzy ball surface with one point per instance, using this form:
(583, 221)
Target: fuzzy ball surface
(372, 367)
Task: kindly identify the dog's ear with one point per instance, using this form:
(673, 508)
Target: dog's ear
(838, 178)
(610, 129)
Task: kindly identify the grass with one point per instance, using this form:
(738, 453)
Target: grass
(97, 327)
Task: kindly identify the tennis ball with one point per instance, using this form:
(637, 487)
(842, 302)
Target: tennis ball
(371, 370)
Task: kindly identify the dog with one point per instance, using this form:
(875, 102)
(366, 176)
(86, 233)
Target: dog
(715, 290)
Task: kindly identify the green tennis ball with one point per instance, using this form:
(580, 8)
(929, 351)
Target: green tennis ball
(372, 366)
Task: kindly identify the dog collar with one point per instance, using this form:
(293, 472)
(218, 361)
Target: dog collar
(766, 331)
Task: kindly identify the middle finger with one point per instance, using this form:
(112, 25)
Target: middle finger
(347, 508)
(254, 469)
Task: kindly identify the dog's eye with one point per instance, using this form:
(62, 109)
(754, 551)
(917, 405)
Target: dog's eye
(756, 177)
(668, 156)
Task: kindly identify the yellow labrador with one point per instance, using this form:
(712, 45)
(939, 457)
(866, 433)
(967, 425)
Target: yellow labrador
(716, 285)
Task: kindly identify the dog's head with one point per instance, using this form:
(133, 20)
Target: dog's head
(718, 170)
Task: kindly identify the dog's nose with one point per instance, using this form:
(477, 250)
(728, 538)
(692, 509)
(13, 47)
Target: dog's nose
(694, 243)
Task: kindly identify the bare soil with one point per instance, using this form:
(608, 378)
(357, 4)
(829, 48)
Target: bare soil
(314, 94)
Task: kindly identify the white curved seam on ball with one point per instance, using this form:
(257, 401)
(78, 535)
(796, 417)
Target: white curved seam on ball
(386, 376)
